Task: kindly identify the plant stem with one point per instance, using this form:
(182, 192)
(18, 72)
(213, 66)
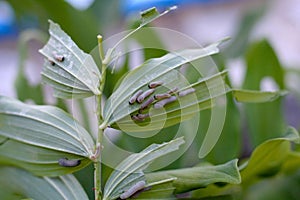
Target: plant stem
(97, 163)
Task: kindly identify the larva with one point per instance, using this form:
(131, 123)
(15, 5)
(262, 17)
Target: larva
(163, 102)
(173, 90)
(58, 57)
(65, 162)
(143, 96)
(135, 118)
(155, 84)
(142, 116)
(51, 62)
(186, 92)
(131, 191)
(132, 100)
(135, 195)
(139, 117)
(147, 103)
(162, 96)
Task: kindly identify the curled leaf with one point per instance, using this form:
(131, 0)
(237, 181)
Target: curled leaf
(268, 158)
(188, 179)
(252, 96)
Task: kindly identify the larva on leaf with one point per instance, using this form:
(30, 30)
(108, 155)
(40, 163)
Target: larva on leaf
(155, 84)
(147, 103)
(163, 102)
(173, 90)
(142, 116)
(59, 58)
(143, 96)
(131, 191)
(65, 162)
(51, 62)
(132, 100)
(162, 96)
(186, 92)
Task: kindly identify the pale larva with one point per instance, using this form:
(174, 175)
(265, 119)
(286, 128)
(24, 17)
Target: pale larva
(139, 117)
(162, 96)
(58, 57)
(147, 103)
(143, 96)
(132, 100)
(131, 191)
(65, 162)
(186, 92)
(142, 116)
(135, 118)
(155, 84)
(163, 102)
(173, 90)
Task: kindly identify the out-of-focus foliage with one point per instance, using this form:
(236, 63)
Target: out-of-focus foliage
(264, 121)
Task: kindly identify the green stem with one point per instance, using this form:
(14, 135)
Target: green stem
(97, 163)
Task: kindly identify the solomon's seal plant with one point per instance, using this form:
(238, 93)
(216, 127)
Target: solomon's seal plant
(46, 145)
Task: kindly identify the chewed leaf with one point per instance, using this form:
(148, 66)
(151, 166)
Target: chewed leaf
(158, 69)
(71, 72)
(27, 186)
(151, 14)
(36, 137)
(130, 171)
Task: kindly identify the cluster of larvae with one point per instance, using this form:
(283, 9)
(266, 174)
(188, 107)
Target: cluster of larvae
(160, 100)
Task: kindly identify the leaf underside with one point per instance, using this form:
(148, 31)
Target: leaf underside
(130, 171)
(36, 137)
(76, 75)
(19, 184)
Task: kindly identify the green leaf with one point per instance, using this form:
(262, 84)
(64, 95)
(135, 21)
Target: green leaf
(151, 14)
(267, 158)
(74, 76)
(251, 96)
(164, 69)
(240, 41)
(230, 136)
(277, 188)
(206, 91)
(188, 179)
(130, 171)
(264, 121)
(38, 136)
(19, 184)
(292, 163)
